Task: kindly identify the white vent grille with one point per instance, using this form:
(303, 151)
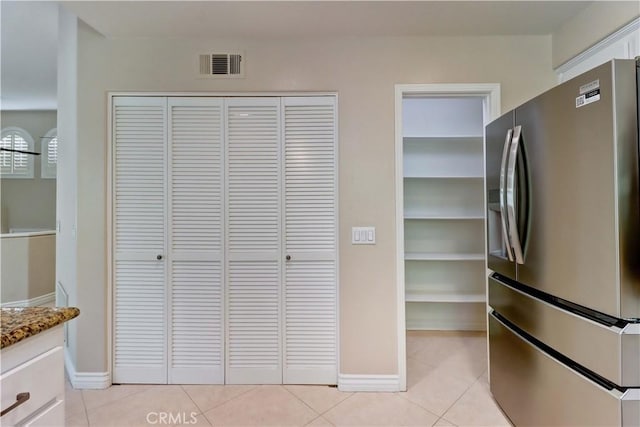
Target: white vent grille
(221, 64)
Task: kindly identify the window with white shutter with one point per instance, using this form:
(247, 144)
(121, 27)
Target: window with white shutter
(49, 154)
(13, 164)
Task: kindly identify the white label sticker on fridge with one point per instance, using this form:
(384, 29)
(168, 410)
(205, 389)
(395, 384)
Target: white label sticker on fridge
(588, 98)
(590, 86)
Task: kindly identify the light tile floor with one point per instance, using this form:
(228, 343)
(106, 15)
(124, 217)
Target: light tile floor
(446, 380)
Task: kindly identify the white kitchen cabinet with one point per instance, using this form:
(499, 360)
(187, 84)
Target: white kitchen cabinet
(34, 366)
(444, 238)
(225, 239)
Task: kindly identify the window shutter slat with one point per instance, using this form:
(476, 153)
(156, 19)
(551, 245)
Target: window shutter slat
(49, 154)
(13, 164)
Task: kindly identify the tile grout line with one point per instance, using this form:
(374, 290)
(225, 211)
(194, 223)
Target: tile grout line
(460, 397)
(194, 402)
(419, 406)
(84, 406)
(403, 395)
(253, 387)
(353, 393)
(446, 420)
(445, 411)
(113, 401)
(320, 414)
(303, 402)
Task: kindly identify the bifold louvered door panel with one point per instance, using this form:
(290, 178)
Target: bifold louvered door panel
(210, 196)
(139, 220)
(253, 241)
(196, 192)
(310, 292)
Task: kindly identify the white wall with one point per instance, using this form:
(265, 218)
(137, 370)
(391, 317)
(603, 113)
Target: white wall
(590, 26)
(29, 203)
(363, 71)
(66, 203)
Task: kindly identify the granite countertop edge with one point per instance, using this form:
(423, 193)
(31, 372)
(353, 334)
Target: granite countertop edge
(20, 323)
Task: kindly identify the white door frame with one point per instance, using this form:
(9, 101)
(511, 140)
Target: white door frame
(490, 94)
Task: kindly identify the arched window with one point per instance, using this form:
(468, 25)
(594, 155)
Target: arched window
(12, 164)
(49, 157)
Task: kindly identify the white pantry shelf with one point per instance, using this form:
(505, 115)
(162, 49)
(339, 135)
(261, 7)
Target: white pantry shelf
(448, 139)
(442, 176)
(444, 211)
(428, 256)
(442, 297)
(442, 217)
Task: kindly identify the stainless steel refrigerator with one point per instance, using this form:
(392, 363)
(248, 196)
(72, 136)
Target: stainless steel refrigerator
(563, 231)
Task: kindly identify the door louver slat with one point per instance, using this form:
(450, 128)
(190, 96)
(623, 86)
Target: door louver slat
(253, 241)
(139, 226)
(310, 238)
(221, 176)
(195, 205)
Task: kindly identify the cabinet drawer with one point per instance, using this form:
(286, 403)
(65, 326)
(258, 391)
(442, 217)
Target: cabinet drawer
(52, 416)
(610, 351)
(42, 377)
(536, 389)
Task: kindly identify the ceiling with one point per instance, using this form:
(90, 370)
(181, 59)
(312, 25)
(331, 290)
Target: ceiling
(278, 19)
(29, 29)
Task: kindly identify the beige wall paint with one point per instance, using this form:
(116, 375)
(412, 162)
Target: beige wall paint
(28, 267)
(29, 203)
(590, 26)
(363, 71)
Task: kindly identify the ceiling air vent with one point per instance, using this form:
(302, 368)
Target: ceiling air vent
(218, 65)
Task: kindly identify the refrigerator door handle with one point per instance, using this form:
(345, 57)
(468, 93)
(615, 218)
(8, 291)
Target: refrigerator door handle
(503, 197)
(514, 238)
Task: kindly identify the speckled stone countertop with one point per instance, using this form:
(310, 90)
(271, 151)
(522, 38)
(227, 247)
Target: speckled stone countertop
(18, 324)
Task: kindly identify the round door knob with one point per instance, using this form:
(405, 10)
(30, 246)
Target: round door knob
(288, 257)
(159, 257)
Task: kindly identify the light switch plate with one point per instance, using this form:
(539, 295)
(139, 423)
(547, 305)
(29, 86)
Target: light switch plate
(363, 235)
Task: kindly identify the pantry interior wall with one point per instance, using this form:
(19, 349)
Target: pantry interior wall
(363, 72)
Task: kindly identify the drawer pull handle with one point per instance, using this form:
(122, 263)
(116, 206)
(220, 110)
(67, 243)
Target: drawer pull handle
(20, 399)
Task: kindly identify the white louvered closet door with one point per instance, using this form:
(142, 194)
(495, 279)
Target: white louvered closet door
(310, 293)
(253, 241)
(139, 220)
(196, 200)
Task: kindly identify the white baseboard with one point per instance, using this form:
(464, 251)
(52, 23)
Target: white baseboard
(85, 380)
(33, 302)
(384, 383)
